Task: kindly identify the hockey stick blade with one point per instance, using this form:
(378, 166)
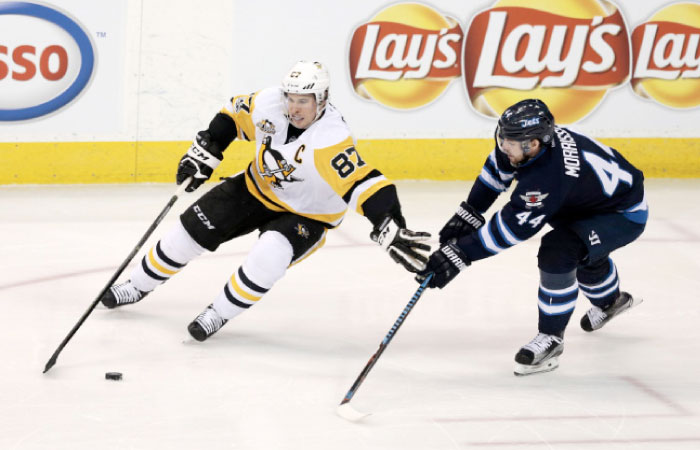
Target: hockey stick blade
(347, 412)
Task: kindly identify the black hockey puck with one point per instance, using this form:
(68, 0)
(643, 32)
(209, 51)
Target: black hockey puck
(116, 376)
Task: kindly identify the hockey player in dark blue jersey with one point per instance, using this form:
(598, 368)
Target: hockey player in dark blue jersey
(586, 191)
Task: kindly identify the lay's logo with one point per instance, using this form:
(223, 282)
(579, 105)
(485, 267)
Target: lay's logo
(46, 60)
(666, 57)
(405, 56)
(568, 53)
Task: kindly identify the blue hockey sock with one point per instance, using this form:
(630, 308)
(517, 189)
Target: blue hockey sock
(557, 299)
(599, 282)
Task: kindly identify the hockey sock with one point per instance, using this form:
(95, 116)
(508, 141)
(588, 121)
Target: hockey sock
(599, 282)
(266, 263)
(165, 259)
(557, 300)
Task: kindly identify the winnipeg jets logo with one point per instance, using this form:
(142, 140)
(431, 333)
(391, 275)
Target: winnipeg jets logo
(534, 199)
(273, 167)
(266, 126)
(530, 122)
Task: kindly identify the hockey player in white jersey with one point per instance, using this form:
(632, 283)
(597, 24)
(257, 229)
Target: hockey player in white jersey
(306, 173)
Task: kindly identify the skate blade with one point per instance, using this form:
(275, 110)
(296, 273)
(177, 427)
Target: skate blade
(349, 413)
(189, 340)
(635, 302)
(522, 370)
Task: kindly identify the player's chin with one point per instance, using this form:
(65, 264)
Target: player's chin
(299, 123)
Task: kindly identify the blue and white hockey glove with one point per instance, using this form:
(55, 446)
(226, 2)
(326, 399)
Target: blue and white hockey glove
(199, 162)
(406, 247)
(445, 264)
(464, 222)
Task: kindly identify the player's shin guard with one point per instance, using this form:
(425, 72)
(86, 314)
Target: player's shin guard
(266, 263)
(165, 259)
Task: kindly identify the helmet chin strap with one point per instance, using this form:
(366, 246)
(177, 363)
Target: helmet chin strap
(525, 145)
(320, 110)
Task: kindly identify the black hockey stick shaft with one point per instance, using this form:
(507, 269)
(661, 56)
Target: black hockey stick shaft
(50, 363)
(387, 339)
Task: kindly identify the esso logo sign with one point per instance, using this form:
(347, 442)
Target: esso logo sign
(568, 53)
(666, 57)
(46, 60)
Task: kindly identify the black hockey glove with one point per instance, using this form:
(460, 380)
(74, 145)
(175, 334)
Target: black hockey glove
(406, 247)
(465, 221)
(445, 264)
(199, 162)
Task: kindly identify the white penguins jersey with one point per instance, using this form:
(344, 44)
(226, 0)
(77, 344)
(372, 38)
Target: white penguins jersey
(318, 175)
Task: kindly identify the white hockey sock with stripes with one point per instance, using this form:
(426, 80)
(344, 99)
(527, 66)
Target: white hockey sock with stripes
(165, 259)
(266, 263)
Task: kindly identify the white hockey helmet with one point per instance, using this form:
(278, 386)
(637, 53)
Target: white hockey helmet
(309, 78)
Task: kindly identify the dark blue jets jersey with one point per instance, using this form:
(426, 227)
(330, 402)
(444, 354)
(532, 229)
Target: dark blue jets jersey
(576, 177)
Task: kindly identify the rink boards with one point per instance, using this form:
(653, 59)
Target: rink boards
(412, 159)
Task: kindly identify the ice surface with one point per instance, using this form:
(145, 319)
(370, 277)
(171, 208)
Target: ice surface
(273, 377)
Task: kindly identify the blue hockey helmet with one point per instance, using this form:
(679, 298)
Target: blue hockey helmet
(528, 119)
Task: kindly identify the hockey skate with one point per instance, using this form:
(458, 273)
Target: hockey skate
(595, 318)
(122, 294)
(540, 355)
(206, 324)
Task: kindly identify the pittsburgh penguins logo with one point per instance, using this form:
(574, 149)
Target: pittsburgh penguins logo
(275, 168)
(302, 230)
(266, 126)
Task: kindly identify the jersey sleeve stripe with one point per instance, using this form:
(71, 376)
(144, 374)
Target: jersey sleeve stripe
(490, 181)
(488, 241)
(365, 190)
(348, 195)
(508, 235)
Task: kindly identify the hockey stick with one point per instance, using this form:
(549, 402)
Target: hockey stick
(119, 271)
(344, 409)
